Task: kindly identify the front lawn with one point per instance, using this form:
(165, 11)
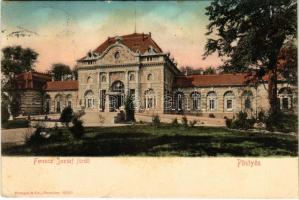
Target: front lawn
(145, 140)
(16, 123)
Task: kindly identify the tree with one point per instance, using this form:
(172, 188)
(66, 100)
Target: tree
(66, 116)
(16, 59)
(15, 106)
(250, 34)
(287, 63)
(60, 70)
(209, 70)
(75, 72)
(129, 108)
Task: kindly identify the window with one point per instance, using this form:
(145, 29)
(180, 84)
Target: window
(58, 106)
(149, 77)
(149, 99)
(212, 104)
(229, 104)
(103, 78)
(247, 99)
(116, 55)
(247, 103)
(228, 100)
(89, 99)
(102, 99)
(89, 80)
(285, 98)
(211, 96)
(118, 86)
(195, 96)
(132, 92)
(89, 103)
(285, 103)
(69, 103)
(132, 77)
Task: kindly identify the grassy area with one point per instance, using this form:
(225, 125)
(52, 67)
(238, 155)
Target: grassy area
(145, 140)
(15, 124)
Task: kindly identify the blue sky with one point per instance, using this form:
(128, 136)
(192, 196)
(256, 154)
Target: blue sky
(178, 27)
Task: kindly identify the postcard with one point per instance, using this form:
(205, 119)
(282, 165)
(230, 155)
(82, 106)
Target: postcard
(149, 99)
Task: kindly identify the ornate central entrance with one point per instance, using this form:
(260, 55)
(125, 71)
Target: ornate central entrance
(116, 97)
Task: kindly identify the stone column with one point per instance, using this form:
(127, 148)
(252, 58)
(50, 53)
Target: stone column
(107, 103)
(126, 83)
(137, 92)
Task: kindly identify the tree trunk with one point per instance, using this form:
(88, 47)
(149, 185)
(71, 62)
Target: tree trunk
(272, 91)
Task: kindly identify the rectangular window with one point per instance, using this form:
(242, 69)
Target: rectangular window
(150, 103)
(229, 104)
(247, 103)
(285, 103)
(89, 103)
(212, 104)
(69, 103)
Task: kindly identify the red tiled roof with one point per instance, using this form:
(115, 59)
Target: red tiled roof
(62, 85)
(135, 41)
(212, 80)
(33, 75)
(31, 80)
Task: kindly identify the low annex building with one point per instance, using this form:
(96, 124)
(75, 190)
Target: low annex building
(134, 65)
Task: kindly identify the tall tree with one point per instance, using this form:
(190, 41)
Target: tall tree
(60, 70)
(250, 35)
(16, 59)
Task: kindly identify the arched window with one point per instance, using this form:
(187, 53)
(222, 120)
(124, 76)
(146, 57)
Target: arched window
(247, 98)
(179, 98)
(229, 100)
(211, 100)
(132, 77)
(118, 86)
(285, 98)
(195, 96)
(103, 79)
(69, 100)
(116, 55)
(58, 103)
(89, 80)
(47, 103)
(89, 99)
(150, 100)
(149, 77)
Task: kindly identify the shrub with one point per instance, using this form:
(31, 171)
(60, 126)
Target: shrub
(15, 107)
(228, 122)
(211, 115)
(193, 123)
(77, 129)
(15, 124)
(4, 114)
(36, 137)
(241, 121)
(175, 122)
(261, 116)
(282, 122)
(184, 121)
(156, 121)
(66, 116)
(129, 109)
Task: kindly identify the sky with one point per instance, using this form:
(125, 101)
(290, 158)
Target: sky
(63, 32)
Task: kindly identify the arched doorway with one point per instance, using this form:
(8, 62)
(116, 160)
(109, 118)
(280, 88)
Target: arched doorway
(47, 104)
(116, 98)
(58, 103)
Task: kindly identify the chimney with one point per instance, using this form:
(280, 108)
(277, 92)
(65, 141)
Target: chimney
(150, 34)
